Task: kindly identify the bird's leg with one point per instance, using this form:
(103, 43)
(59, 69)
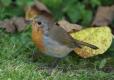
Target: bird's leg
(35, 55)
(53, 64)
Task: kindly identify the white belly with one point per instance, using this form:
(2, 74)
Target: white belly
(55, 49)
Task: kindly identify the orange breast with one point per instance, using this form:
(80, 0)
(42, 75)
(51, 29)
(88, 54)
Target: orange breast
(37, 37)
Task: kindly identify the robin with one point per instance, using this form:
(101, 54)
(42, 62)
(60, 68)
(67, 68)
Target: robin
(53, 40)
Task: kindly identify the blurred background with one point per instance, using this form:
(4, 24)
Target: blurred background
(76, 11)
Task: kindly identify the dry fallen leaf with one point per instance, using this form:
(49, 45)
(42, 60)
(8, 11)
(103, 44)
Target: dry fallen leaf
(31, 12)
(104, 16)
(68, 26)
(36, 9)
(14, 24)
(7, 25)
(19, 23)
(99, 36)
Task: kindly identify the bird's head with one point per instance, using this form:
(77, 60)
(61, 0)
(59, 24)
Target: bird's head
(41, 23)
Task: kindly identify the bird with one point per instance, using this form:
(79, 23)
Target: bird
(53, 40)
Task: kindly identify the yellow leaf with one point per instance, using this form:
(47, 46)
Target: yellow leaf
(99, 36)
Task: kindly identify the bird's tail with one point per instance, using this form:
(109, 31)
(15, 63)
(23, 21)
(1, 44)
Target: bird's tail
(86, 44)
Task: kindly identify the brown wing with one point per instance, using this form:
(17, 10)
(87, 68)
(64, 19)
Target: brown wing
(60, 35)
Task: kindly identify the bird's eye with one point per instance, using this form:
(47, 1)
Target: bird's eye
(39, 23)
(57, 24)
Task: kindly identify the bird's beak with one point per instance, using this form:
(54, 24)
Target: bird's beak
(28, 21)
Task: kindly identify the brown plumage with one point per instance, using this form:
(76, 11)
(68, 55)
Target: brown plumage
(53, 40)
(37, 36)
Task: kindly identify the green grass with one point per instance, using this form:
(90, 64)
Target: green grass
(16, 65)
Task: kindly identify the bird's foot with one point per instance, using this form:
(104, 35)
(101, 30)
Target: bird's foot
(53, 65)
(34, 56)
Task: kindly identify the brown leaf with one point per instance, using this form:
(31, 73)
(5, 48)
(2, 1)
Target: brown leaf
(14, 24)
(30, 13)
(42, 7)
(37, 9)
(104, 16)
(68, 26)
(7, 25)
(19, 23)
